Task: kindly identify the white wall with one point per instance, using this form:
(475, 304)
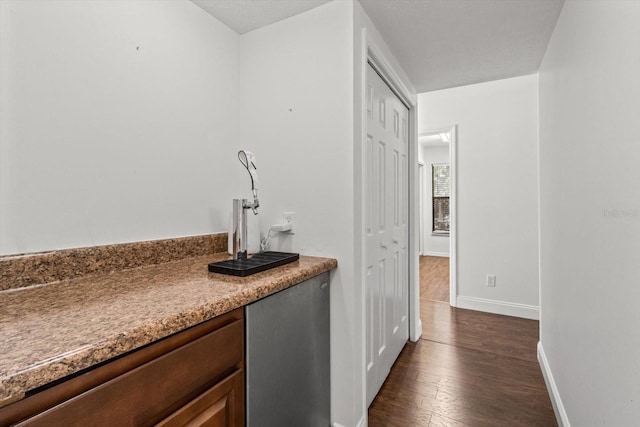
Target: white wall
(297, 97)
(119, 122)
(497, 197)
(435, 245)
(590, 211)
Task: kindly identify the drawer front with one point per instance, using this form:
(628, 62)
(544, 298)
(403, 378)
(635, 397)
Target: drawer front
(156, 389)
(220, 406)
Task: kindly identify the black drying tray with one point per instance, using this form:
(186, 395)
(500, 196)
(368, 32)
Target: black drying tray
(255, 264)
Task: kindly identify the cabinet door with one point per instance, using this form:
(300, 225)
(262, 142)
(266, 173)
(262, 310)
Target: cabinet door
(220, 406)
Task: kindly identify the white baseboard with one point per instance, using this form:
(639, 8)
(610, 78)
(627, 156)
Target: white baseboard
(556, 401)
(440, 254)
(361, 423)
(499, 307)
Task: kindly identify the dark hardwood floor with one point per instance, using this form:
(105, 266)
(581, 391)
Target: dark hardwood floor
(483, 332)
(434, 278)
(469, 369)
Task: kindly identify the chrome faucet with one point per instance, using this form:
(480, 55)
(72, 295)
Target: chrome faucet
(240, 207)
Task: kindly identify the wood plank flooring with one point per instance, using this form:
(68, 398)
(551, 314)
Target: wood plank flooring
(434, 278)
(475, 330)
(469, 369)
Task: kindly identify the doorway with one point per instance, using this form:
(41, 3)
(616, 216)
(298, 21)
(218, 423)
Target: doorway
(438, 215)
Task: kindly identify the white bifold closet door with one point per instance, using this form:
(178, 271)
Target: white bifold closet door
(386, 230)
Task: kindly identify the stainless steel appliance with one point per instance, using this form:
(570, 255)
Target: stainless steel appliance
(287, 360)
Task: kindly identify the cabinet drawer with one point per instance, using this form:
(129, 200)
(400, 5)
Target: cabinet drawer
(152, 391)
(220, 406)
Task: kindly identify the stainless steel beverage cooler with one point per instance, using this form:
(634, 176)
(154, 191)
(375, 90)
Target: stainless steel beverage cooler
(287, 360)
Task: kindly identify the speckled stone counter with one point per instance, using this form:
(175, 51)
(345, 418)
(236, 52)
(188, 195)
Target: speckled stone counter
(53, 330)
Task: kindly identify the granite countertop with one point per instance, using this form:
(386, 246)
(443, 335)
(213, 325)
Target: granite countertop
(53, 330)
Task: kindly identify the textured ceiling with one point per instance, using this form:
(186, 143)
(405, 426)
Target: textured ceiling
(246, 15)
(448, 43)
(433, 141)
(439, 43)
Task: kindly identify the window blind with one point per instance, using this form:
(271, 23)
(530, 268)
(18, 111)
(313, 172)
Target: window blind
(440, 198)
(441, 181)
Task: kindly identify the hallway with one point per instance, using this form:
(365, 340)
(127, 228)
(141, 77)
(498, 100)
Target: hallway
(468, 369)
(434, 278)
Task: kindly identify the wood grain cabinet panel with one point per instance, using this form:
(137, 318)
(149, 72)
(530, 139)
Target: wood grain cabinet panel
(198, 383)
(220, 406)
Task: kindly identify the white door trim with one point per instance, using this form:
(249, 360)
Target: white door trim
(372, 54)
(453, 208)
(421, 207)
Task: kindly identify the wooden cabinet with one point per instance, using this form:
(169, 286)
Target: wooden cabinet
(220, 406)
(194, 378)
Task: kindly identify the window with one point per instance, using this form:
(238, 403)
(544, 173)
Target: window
(440, 198)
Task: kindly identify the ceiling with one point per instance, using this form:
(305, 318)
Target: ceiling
(247, 15)
(448, 43)
(433, 141)
(437, 138)
(439, 43)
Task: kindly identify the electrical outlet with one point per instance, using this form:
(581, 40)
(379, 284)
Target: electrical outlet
(289, 218)
(491, 280)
